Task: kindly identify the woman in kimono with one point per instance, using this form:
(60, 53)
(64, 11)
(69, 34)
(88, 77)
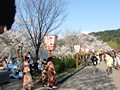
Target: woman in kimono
(44, 72)
(51, 73)
(27, 79)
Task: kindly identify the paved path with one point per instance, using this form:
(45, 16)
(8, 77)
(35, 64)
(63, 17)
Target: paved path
(87, 80)
(14, 84)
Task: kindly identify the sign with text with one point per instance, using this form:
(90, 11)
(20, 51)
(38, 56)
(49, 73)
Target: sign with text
(50, 41)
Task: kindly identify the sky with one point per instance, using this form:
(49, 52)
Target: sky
(92, 15)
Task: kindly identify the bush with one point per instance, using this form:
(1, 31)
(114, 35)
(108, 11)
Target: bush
(67, 62)
(59, 65)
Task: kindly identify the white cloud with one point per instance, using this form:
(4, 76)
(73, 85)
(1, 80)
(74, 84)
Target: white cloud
(85, 32)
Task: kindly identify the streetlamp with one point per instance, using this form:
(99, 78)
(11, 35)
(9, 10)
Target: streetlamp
(77, 49)
(50, 42)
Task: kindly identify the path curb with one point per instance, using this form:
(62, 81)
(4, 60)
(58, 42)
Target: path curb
(68, 76)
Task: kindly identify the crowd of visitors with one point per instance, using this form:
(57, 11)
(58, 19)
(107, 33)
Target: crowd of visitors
(31, 69)
(45, 67)
(112, 60)
(48, 73)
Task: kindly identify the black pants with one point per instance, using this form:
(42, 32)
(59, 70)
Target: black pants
(109, 70)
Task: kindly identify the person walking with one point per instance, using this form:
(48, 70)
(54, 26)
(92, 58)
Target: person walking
(27, 78)
(32, 71)
(36, 67)
(30, 58)
(118, 61)
(51, 74)
(98, 57)
(5, 63)
(87, 63)
(113, 55)
(94, 62)
(44, 72)
(109, 63)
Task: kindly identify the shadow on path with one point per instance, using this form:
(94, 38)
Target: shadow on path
(86, 80)
(14, 84)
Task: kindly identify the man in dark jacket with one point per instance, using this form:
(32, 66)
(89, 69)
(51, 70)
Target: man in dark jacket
(7, 14)
(94, 61)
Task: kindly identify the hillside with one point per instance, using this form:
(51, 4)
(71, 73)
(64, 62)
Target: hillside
(112, 37)
(10, 41)
(66, 44)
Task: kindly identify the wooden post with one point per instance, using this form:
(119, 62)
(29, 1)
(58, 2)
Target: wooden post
(83, 57)
(77, 61)
(50, 53)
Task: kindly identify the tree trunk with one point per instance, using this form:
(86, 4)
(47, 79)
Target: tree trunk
(37, 53)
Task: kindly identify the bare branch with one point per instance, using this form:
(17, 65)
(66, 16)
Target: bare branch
(44, 16)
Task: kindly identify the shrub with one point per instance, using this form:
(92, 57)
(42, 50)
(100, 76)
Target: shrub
(59, 65)
(69, 62)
